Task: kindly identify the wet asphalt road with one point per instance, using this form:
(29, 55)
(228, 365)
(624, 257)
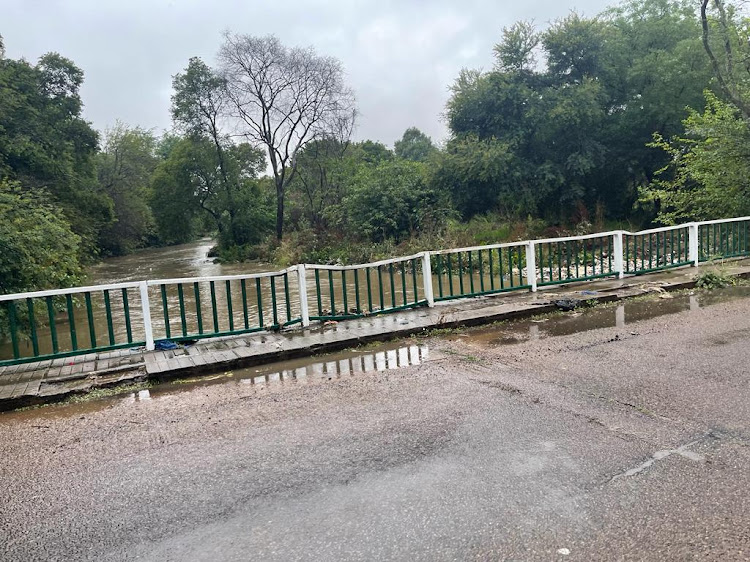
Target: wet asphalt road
(612, 444)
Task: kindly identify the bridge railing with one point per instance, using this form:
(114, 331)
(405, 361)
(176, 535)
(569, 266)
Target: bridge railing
(205, 307)
(59, 323)
(338, 292)
(478, 270)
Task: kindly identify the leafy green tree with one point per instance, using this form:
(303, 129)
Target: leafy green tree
(709, 172)
(190, 183)
(39, 249)
(125, 166)
(414, 146)
(45, 142)
(574, 132)
(393, 201)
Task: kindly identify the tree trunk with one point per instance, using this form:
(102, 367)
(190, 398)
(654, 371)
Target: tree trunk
(279, 211)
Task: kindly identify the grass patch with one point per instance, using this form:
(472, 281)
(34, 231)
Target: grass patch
(99, 393)
(715, 279)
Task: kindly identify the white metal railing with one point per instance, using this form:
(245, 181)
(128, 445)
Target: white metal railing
(343, 291)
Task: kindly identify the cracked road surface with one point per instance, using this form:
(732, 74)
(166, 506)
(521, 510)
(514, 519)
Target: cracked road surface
(613, 444)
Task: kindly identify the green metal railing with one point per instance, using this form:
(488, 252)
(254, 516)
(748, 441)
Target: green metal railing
(190, 309)
(52, 324)
(341, 292)
(471, 272)
(656, 249)
(581, 258)
(59, 323)
(723, 239)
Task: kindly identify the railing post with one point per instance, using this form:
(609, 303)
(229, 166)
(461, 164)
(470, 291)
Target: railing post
(693, 243)
(619, 255)
(146, 308)
(531, 265)
(427, 279)
(302, 284)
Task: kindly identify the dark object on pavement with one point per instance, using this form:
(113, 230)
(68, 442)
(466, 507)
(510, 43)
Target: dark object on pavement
(567, 305)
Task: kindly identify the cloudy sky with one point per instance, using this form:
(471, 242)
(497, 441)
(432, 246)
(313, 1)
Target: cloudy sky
(400, 56)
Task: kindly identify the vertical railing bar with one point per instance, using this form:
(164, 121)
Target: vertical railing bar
(317, 292)
(183, 317)
(439, 265)
(550, 267)
(214, 308)
(344, 292)
(90, 319)
(393, 285)
(357, 303)
(402, 270)
(259, 296)
(369, 289)
(481, 270)
(230, 311)
(414, 279)
(500, 268)
(165, 307)
(126, 311)
(471, 274)
(492, 272)
(52, 326)
(450, 275)
(380, 288)
(274, 306)
(460, 274)
(108, 312)
(71, 322)
(331, 293)
(585, 259)
(32, 326)
(198, 312)
(286, 297)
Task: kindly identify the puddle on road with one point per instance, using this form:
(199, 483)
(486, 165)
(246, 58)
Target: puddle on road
(383, 357)
(582, 320)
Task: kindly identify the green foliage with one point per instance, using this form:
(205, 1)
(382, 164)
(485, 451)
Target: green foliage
(393, 200)
(714, 279)
(571, 135)
(39, 249)
(124, 167)
(190, 184)
(414, 146)
(45, 143)
(708, 175)
(207, 172)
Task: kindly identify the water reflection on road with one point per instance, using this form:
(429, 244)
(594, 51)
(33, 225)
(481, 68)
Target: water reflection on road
(582, 320)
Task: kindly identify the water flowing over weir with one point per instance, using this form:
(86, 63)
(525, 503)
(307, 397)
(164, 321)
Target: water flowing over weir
(193, 298)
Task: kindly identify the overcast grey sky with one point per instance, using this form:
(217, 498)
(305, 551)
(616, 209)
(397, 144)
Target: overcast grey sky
(400, 56)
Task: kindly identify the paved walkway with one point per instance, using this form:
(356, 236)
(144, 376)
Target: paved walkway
(51, 380)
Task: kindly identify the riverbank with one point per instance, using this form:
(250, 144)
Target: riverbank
(52, 381)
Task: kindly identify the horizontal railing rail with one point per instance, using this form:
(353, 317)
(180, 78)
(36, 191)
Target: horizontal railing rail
(479, 270)
(204, 307)
(352, 291)
(57, 323)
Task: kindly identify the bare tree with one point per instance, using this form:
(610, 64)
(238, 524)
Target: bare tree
(726, 74)
(284, 98)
